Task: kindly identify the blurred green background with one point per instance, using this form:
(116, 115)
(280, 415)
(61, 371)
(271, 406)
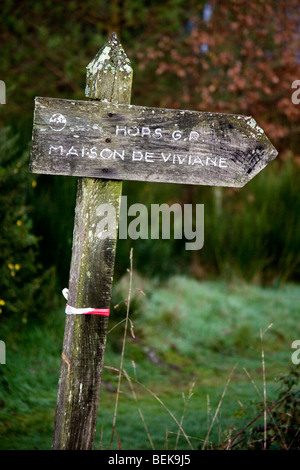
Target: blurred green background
(232, 57)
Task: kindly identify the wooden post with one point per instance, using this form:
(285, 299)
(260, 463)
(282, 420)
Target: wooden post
(109, 77)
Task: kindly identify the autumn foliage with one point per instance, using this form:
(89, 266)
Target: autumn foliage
(238, 56)
(233, 57)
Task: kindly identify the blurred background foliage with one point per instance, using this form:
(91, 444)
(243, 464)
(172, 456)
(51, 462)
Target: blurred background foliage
(232, 57)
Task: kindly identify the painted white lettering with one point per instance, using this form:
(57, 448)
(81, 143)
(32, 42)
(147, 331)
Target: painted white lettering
(106, 154)
(198, 160)
(133, 131)
(92, 153)
(179, 159)
(149, 157)
(194, 135)
(60, 148)
(212, 160)
(223, 162)
(176, 135)
(145, 131)
(136, 155)
(157, 134)
(72, 151)
(121, 130)
(118, 154)
(166, 157)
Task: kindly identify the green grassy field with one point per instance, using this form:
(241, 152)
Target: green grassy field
(193, 341)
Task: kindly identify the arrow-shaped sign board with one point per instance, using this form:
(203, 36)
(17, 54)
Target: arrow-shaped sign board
(125, 142)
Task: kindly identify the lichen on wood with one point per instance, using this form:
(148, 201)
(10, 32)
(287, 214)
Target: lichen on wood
(109, 74)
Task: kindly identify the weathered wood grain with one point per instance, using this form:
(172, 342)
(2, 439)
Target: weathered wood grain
(90, 283)
(117, 141)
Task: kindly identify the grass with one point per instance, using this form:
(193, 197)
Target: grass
(185, 382)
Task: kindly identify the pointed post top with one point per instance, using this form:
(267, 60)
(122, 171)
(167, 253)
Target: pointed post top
(109, 74)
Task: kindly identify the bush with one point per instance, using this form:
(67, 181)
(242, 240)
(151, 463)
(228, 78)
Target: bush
(20, 274)
(283, 426)
(251, 233)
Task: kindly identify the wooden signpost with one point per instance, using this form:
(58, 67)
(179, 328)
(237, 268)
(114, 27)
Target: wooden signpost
(104, 142)
(115, 141)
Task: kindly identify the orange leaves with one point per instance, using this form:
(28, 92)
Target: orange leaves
(243, 58)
